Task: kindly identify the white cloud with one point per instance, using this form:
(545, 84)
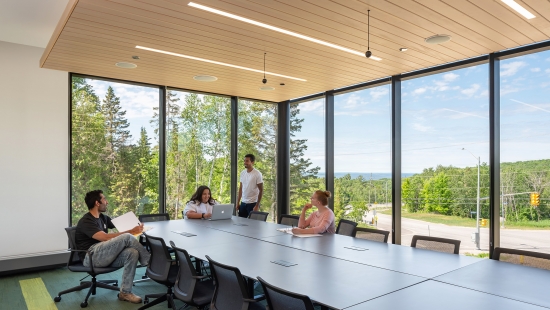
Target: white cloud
(471, 91)
(315, 106)
(449, 77)
(510, 69)
(378, 92)
(508, 89)
(535, 69)
(419, 91)
(547, 70)
(420, 127)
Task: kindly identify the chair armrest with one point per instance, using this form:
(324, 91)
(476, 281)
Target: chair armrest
(256, 298)
(200, 277)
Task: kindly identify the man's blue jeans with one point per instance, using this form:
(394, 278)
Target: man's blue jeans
(123, 250)
(246, 208)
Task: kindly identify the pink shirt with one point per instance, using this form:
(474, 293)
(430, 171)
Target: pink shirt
(320, 222)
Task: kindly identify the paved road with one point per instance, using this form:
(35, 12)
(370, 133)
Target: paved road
(536, 240)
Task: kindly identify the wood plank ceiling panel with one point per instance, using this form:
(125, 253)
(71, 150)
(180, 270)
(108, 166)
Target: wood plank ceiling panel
(93, 35)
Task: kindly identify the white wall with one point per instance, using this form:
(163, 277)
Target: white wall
(34, 152)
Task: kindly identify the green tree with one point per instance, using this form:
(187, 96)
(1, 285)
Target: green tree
(436, 195)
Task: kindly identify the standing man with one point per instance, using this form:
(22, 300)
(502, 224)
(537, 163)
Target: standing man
(110, 249)
(251, 188)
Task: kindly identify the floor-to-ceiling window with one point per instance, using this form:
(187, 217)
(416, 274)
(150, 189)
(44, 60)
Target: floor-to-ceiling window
(362, 157)
(257, 135)
(445, 140)
(113, 146)
(198, 144)
(307, 151)
(525, 152)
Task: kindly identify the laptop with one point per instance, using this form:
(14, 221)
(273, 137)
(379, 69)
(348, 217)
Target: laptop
(221, 212)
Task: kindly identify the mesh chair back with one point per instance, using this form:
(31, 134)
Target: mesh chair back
(257, 215)
(521, 257)
(346, 228)
(436, 244)
(160, 262)
(144, 218)
(279, 299)
(74, 258)
(185, 283)
(230, 290)
(289, 220)
(371, 234)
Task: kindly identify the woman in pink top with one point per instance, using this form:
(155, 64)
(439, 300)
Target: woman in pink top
(320, 221)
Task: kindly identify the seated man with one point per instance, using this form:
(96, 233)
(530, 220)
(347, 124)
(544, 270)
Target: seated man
(110, 249)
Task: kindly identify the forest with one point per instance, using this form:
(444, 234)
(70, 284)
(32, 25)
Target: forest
(105, 156)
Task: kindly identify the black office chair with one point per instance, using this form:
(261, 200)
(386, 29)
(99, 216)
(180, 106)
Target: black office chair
(346, 228)
(280, 299)
(371, 234)
(75, 265)
(161, 269)
(257, 215)
(193, 289)
(147, 218)
(231, 292)
(522, 257)
(289, 220)
(436, 244)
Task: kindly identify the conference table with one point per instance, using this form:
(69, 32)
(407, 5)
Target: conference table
(341, 272)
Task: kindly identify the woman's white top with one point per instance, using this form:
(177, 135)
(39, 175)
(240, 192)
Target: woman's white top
(198, 207)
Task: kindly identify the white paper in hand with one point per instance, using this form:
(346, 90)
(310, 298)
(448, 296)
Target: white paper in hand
(127, 221)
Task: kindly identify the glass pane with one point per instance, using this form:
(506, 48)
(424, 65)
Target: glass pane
(258, 136)
(198, 145)
(307, 152)
(525, 152)
(362, 157)
(112, 149)
(445, 139)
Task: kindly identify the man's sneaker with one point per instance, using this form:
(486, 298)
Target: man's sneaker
(129, 297)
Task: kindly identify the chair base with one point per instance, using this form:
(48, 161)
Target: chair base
(93, 285)
(168, 296)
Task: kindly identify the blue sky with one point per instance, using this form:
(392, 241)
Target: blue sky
(442, 114)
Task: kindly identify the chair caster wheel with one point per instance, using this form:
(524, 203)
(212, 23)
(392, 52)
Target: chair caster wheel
(83, 305)
(57, 298)
(146, 301)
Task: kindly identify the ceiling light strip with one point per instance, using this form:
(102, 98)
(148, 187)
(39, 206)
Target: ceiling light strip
(216, 62)
(291, 33)
(518, 8)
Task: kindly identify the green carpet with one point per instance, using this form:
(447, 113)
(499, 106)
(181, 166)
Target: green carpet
(13, 290)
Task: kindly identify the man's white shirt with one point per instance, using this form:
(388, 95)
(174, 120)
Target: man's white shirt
(250, 181)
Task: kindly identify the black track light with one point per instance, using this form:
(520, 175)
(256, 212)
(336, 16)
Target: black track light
(264, 80)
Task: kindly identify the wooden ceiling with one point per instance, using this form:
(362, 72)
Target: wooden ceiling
(93, 35)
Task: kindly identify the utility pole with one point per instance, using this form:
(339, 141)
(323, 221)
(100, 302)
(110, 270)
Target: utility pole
(477, 212)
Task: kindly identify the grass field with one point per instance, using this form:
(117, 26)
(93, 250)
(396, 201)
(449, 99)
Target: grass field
(467, 222)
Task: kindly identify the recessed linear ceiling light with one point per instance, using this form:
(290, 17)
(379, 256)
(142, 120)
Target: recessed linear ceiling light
(216, 62)
(438, 39)
(267, 88)
(403, 49)
(518, 8)
(290, 33)
(205, 78)
(126, 65)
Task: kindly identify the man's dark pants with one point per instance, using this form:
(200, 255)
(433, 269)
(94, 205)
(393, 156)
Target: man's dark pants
(246, 208)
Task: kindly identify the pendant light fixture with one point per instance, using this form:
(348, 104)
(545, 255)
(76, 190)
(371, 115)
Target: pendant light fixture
(264, 80)
(368, 53)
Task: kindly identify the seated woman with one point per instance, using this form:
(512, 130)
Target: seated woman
(200, 205)
(320, 221)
